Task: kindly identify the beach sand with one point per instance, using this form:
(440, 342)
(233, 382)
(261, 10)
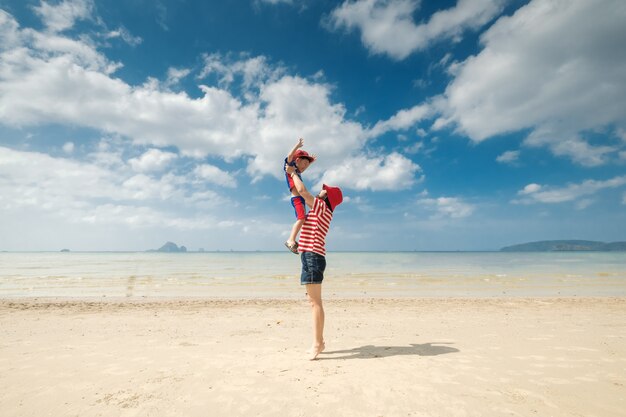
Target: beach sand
(408, 357)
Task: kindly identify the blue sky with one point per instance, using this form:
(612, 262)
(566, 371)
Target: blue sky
(450, 125)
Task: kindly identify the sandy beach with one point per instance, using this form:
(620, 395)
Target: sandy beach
(409, 357)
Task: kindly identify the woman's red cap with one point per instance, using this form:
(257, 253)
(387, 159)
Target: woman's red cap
(334, 195)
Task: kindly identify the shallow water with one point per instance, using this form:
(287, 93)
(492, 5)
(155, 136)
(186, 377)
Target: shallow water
(276, 274)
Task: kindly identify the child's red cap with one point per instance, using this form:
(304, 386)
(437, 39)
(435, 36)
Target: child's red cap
(303, 154)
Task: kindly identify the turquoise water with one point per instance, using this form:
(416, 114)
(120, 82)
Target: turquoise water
(276, 274)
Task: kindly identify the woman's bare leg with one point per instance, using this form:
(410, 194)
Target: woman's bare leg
(314, 293)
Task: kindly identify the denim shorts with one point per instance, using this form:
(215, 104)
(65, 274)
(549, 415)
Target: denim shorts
(313, 266)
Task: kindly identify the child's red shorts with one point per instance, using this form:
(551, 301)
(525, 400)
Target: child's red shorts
(298, 206)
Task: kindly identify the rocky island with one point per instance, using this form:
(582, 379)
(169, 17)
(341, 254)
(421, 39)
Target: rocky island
(170, 247)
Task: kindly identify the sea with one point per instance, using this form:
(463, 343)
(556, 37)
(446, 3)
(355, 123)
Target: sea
(275, 275)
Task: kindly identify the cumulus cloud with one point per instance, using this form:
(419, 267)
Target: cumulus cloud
(62, 16)
(36, 89)
(554, 67)
(387, 26)
(36, 179)
(530, 189)
(508, 157)
(536, 193)
(125, 35)
(88, 192)
(213, 174)
(447, 207)
(253, 71)
(295, 107)
(571, 145)
(52, 78)
(68, 147)
(152, 160)
(402, 120)
(174, 75)
(391, 172)
(53, 179)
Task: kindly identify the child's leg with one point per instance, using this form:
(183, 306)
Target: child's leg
(300, 211)
(294, 231)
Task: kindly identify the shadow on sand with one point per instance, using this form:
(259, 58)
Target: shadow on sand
(371, 351)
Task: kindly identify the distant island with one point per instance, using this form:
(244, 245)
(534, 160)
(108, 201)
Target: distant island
(170, 247)
(566, 246)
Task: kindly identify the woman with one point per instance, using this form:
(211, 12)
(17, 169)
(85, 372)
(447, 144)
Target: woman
(312, 249)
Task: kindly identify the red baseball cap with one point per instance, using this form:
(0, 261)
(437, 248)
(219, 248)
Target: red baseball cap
(303, 154)
(334, 195)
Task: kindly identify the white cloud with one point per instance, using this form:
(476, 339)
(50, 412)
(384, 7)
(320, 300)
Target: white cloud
(571, 145)
(508, 157)
(204, 200)
(530, 189)
(213, 174)
(275, 2)
(387, 26)
(36, 90)
(535, 193)
(51, 78)
(152, 160)
(68, 147)
(125, 35)
(414, 148)
(174, 75)
(254, 71)
(38, 180)
(143, 187)
(161, 15)
(86, 192)
(447, 207)
(9, 31)
(555, 67)
(62, 16)
(293, 108)
(402, 120)
(47, 181)
(392, 172)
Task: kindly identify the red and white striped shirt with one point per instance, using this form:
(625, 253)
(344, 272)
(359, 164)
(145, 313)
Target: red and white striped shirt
(315, 228)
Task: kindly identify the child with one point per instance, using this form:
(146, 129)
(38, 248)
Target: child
(300, 160)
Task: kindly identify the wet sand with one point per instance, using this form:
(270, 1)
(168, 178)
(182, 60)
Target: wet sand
(384, 357)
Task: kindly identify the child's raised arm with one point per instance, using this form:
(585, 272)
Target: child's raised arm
(295, 148)
(297, 182)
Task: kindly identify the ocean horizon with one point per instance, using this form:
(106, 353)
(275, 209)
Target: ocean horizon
(275, 274)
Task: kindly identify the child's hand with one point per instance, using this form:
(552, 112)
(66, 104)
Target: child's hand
(300, 143)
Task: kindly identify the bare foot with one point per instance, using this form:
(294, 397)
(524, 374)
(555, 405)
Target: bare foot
(312, 348)
(316, 350)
